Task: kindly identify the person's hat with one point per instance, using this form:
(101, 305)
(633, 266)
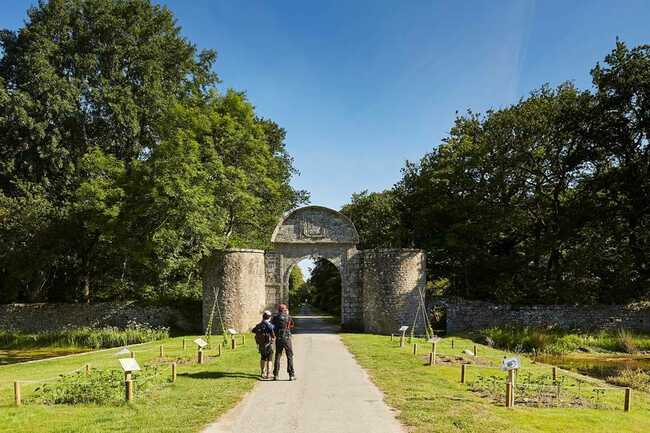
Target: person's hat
(267, 313)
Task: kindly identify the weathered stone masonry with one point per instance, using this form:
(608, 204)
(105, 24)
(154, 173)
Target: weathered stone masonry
(379, 288)
(465, 315)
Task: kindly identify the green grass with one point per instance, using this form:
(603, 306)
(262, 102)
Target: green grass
(556, 341)
(201, 394)
(431, 399)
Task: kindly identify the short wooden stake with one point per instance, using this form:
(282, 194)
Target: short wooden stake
(462, 373)
(129, 389)
(183, 344)
(391, 337)
(628, 398)
(219, 350)
(173, 372)
(200, 356)
(132, 354)
(415, 349)
(433, 352)
(452, 343)
(401, 340)
(475, 350)
(17, 397)
(243, 339)
(431, 359)
(554, 374)
(508, 395)
(87, 369)
(162, 351)
(233, 343)
(511, 384)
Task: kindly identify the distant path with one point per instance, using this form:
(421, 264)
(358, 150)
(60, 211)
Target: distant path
(332, 394)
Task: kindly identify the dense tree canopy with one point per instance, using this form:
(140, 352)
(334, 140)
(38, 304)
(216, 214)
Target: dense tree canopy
(121, 164)
(544, 201)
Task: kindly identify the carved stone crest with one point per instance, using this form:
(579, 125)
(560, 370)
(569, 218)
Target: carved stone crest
(311, 230)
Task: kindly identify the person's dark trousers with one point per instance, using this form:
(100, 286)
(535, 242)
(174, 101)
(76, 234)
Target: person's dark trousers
(281, 345)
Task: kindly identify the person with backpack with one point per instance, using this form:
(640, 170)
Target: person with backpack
(264, 337)
(282, 324)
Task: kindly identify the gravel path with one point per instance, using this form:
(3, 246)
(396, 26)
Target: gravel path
(332, 394)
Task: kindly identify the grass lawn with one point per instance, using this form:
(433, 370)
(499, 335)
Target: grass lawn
(431, 398)
(200, 394)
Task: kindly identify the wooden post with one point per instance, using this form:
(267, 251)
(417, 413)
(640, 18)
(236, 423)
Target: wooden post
(173, 372)
(200, 356)
(475, 350)
(391, 337)
(462, 373)
(401, 339)
(219, 351)
(433, 353)
(87, 369)
(243, 339)
(431, 359)
(554, 374)
(132, 354)
(233, 343)
(129, 389)
(415, 348)
(17, 397)
(508, 395)
(162, 351)
(628, 397)
(511, 384)
(183, 344)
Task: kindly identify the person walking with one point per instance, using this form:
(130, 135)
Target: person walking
(282, 324)
(264, 337)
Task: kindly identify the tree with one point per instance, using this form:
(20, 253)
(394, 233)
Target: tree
(374, 217)
(122, 165)
(325, 287)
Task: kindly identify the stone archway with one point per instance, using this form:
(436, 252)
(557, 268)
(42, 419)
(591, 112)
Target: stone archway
(316, 231)
(380, 289)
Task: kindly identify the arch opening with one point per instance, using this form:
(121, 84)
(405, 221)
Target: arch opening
(315, 282)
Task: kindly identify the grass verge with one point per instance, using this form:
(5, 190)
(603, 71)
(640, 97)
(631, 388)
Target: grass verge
(200, 395)
(431, 398)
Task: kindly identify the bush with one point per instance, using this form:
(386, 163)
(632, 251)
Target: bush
(93, 338)
(633, 378)
(99, 387)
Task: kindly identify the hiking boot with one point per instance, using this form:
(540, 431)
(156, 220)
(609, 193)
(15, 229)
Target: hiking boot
(292, 377)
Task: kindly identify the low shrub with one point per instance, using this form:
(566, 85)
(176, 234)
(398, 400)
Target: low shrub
(85, 337)
(100, 387)
(632, 378)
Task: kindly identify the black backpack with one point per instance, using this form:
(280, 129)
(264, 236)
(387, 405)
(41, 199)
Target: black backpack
(262, 335)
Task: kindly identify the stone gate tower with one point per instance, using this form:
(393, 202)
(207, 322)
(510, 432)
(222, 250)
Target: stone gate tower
(380, 289)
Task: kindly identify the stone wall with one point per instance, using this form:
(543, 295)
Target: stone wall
(472, 315)
(238, 277)
(391, 278)
(54, 317)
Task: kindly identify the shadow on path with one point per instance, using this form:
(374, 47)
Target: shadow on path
(309, 322)
(218, 375)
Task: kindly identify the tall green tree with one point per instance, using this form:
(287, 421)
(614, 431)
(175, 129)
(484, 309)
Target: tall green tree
(121, 164)
(374, 217)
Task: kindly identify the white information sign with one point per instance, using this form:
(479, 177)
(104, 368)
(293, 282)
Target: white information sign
(129, 364)
(200, 342)
(232, 331)
(510, 364)
(468, 352)
(123, 351)
(403, 328)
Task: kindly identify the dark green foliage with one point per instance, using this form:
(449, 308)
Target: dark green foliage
(545, 201)
(297, 293)
(121, 165)
(324, 287)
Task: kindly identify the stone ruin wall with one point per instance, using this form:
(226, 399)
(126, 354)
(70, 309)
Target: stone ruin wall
(463, 316)
(391, 279)
(240, 279)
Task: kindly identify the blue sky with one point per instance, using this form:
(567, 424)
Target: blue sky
(362, 86)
